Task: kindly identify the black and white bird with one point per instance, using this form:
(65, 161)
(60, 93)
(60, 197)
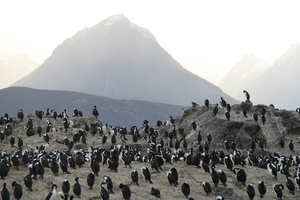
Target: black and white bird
(245, 112)
(103, 192)
(146, 173)
(199, 137)
(185, 189)
(272, 170)
(46, 138)
(250, 191)
(20, 143)
(291, 145)
(228, 162)
(109, 183)
(20, 115)
(214, 176)
(260, 143)
(215, 110)
(12, 141)
(263, 111)
(77, 188)
(278, 190)
(173, 176)
(246, 94)
(28, 182)
(297, 181)
(65, 187)
(290, 185)
(4, 192)
(208, 138)
(254, 116)
(194, 125)
(253, 144)
(90, 180)
(227, 115)
(18, 191)
(54, 167)
(125, 191)
(155, 192)
(61, 196)
(134, 177)
(206, 187)
(206, 103)
(282, 142)
(223, 102)
(95, 166)
(263, 119)
(95, 112)
(262, 189)
(53, 193)
(241, 175)
(222, 176)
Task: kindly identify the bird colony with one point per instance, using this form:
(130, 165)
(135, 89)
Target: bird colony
(60, 156)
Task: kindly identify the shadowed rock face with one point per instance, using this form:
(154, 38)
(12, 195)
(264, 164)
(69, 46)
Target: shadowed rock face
(239, 129)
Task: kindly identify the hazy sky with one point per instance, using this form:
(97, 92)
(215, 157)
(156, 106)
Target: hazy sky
(206, 37)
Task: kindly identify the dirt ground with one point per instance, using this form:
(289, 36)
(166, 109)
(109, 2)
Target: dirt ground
(194, 176)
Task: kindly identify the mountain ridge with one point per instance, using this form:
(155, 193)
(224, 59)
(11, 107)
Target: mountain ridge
(118, 62)
(115, 112)
(266, 80)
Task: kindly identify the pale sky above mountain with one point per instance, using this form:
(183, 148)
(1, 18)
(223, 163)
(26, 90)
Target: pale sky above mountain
(206, 37)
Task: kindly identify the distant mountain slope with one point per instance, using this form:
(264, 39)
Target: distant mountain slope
(111, 111)
(279, 84)
(14, 68)
(271, 81)
(243, 74)
(117, 59)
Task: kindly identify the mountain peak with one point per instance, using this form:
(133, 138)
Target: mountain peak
(118, 59)
(114, 19)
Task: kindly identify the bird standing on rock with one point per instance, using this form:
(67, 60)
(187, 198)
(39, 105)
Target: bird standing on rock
(223, 102)
(125, 191)
(95, 112)
(291, 145)
(103, 192)
(77, 187)
(227, 115)
(4, 192)
(155, 192)
(247, 95)
(146, 173)
(18, 192)
(262, 189)
(278, 190)
(215, 111)
(260, 143)
(134, 177)
(282, 142)
(245, 112)
(254, 116)
(250, 191)
(109, 183)
(12, 141)
(206, 187)
(240, 175)
(206, 103)
(185, 188)
(90, 180)
(290, 185)
(53, 193)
